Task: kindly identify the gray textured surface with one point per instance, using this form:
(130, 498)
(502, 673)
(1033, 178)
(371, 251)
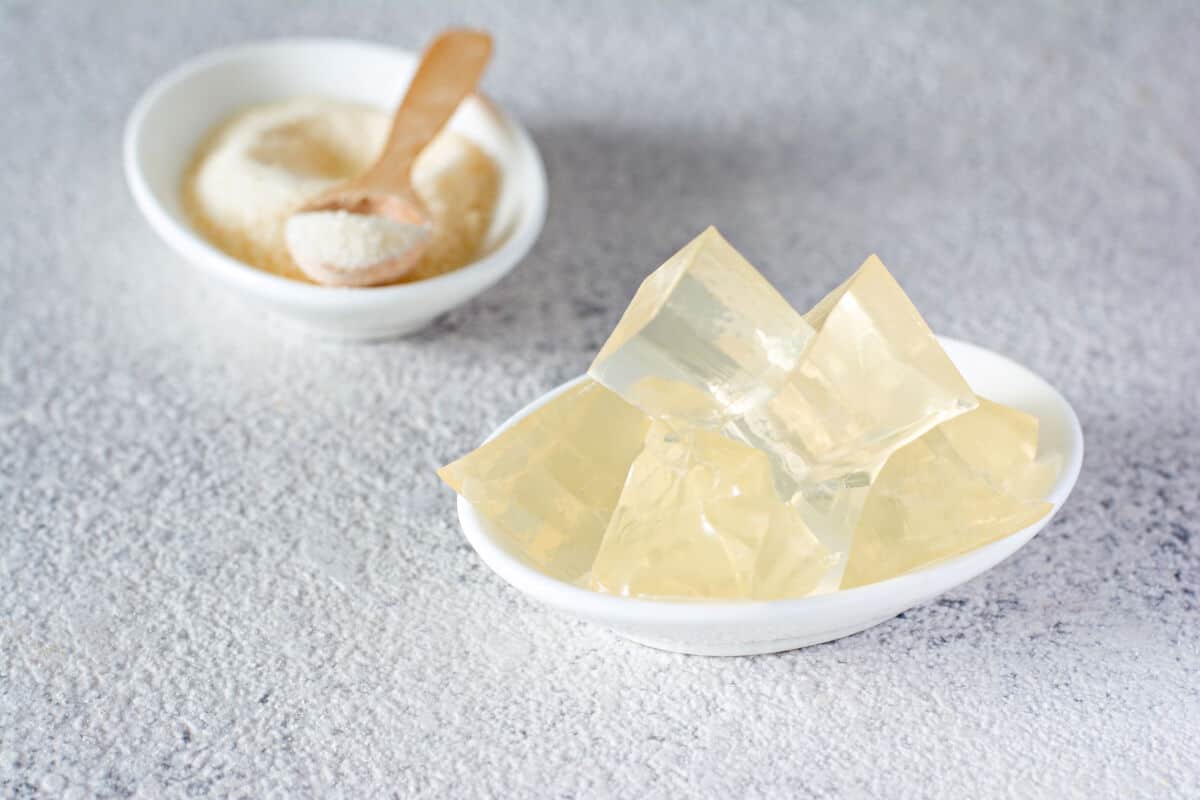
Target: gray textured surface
(227, 567)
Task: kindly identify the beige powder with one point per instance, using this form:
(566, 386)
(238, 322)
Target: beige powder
(263, 163)
(348, 242)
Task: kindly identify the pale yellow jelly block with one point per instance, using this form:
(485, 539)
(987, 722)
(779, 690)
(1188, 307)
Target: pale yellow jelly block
(705, 338)
(960, 486)
(874, 378)
(707, 341)
(550, 482)
(700, 518)
(1001, 443)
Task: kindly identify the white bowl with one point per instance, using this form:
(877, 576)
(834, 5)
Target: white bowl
(172, 117)
(748, 628)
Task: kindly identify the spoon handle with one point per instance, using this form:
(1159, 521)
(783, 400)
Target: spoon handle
(450, 69)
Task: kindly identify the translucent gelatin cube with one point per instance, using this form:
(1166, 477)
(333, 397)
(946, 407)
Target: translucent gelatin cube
(1001, 443)
(550, 482)
(700, 518)
(706, 338)
(962, 485)
(828, 396)
(873, 379)
(708, 341)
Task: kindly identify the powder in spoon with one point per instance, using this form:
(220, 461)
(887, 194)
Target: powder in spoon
(265, 162)
(347, 242)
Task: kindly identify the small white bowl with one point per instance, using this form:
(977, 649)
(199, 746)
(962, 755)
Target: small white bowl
(173, 116)
(749, 628)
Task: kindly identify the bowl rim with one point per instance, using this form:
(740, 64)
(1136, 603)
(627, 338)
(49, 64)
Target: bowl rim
(185, 240)
(902, 591)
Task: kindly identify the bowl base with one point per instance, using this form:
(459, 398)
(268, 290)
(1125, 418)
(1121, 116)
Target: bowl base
(338, 332)
(751, 648)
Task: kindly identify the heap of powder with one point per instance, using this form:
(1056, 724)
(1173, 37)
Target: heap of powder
(260, 166)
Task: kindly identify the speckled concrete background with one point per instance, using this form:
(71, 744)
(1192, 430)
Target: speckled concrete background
(228, 569)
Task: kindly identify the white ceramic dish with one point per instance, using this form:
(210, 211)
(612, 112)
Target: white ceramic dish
(732, 629)
(172, 117)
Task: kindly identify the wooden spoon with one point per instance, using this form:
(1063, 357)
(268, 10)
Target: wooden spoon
(396, 220)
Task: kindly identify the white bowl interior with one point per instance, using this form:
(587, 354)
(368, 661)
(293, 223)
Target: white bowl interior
(208, 91)
(733, 628)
